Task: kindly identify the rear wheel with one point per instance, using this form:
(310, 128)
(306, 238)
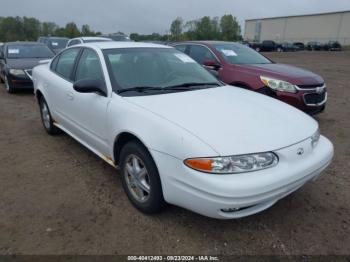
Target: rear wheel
(47, 119)
(140, 178)
(9, 88)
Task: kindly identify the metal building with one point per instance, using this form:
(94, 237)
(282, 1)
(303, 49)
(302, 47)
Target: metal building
(301, 28)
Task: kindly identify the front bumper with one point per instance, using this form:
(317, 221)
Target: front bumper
(308, 100)
(242, 194)
(20, 82)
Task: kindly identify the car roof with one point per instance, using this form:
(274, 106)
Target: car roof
(114, 44)
(94, 38)
(24, 43)
(205, 42)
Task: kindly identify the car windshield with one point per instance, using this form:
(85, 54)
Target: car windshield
(29, 51)
(57, 43)
(151, 68)
(240, 54)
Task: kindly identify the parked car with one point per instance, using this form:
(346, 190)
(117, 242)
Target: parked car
(314, 46)
(118, 37)
(17, 60)
(178, 135)
(288, 47)
(332, 46)
(87, 39)
(300, 46)
(238, 65)
(266, 46)
(56, 44)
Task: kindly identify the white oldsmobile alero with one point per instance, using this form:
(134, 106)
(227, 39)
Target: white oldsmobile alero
(178, 135)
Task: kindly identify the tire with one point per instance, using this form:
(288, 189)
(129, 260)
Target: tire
(46, 118)
(140, 178)
(9, 88)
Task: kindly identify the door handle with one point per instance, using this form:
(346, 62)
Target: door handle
(70, 96)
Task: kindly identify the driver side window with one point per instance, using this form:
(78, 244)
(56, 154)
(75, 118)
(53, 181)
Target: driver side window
(89, 66)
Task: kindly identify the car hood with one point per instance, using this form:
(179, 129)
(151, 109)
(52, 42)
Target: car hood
(292, 74)
(24, 63)
(232, 120)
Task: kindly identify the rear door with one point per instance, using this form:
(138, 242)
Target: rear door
(60, 85)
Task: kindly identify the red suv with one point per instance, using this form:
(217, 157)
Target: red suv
(238, 65)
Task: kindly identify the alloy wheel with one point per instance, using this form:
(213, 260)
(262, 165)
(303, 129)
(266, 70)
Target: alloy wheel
(137, 178)
(45, 115)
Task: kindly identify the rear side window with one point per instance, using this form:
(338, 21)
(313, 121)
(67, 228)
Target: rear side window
(181, 48)
(66, 62)
(89, 66)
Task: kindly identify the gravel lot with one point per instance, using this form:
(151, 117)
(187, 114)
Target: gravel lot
(56, 197)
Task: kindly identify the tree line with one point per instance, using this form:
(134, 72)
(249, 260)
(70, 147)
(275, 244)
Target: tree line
(224, 28)
(25, 28)
(29, 29)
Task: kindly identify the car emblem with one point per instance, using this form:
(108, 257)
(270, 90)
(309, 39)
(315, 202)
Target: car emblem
(319, 89)
(300, 151)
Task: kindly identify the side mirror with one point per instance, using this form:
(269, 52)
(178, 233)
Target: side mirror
(211, 65)
(90, 86)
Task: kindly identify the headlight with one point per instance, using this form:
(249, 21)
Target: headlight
(17, 72)
(278, 85)
(233, 164)
(315, 138)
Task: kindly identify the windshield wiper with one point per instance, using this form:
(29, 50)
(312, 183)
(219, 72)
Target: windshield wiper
(182, 87)
(140, 89)
(193, 85)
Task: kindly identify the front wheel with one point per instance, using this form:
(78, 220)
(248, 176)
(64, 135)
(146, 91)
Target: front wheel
(47, 119)
(140, 178)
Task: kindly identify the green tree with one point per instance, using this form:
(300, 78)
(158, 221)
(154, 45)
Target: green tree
(48, 28)
(230, 28)
(176, 28)
(71, 30)
(85, 31)
(31, 28)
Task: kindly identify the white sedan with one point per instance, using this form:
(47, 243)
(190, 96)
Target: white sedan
(178, 135)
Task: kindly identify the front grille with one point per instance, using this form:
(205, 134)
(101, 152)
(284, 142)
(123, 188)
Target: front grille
(315, 98)
(310, 86)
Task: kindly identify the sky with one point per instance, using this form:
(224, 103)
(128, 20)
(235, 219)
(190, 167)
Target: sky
(148, 16)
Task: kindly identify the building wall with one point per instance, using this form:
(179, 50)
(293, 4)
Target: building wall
(322, 28)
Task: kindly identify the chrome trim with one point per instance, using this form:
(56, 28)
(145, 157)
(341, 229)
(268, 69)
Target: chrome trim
(319, 104)
(311, 89)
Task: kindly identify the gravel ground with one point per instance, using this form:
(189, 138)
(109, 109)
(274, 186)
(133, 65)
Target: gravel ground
(56, 197)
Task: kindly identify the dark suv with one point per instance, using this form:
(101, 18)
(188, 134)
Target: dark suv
(238, 65)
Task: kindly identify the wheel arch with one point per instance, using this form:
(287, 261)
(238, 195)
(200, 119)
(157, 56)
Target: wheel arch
(122, 139)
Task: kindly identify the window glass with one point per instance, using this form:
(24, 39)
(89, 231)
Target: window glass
(28, 51)
(201, 54)
(89, 66)
(181, 48)
(153, 67)
(74, 42)
(240, 54)
(54, 63)
(66, 62)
